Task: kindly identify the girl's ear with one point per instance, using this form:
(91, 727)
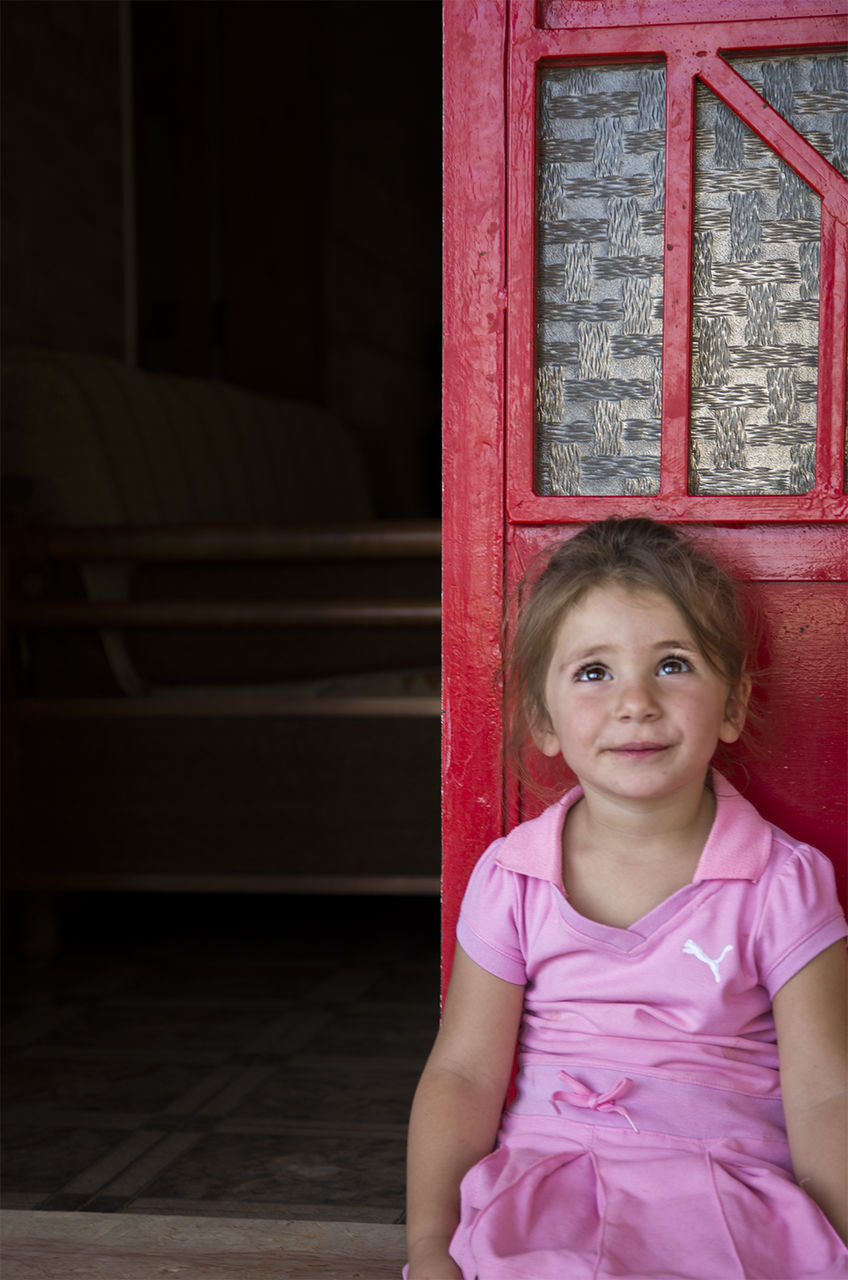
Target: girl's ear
(544, 736)
(736, 710)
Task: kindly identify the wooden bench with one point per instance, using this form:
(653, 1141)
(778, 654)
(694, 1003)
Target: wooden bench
(43, 1246)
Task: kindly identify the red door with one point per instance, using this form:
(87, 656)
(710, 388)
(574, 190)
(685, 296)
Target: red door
(646, 256)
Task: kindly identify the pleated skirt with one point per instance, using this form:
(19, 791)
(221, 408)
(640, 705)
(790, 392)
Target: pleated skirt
(560, 1199)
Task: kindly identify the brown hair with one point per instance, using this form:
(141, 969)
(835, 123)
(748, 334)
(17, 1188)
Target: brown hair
(636, 553)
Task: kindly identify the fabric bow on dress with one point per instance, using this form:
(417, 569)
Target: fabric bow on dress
(580, 1095)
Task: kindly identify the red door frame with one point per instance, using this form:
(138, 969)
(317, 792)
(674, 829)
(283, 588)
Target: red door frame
(473, 373)
(493, 519)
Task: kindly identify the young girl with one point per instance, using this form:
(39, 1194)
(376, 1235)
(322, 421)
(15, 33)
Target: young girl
(672, 967)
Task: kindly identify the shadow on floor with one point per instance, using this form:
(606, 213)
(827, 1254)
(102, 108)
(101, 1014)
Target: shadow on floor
(228, 1057)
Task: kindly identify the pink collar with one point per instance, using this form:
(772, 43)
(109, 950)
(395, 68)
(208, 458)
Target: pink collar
(737, 847)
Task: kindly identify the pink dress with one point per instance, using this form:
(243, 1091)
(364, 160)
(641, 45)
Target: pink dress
(647, 1136)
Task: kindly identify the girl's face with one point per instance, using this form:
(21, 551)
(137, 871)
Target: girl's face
(634, 707)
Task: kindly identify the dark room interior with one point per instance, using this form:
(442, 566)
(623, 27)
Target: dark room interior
(221, 356)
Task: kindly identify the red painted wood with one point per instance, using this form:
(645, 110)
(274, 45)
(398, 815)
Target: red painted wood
(473, 516)
(677, 278)
(603, 13)
(530, 508)
(793, 509)
(682, 38)
(792, 549)
(801, 784)
(833, 349)
(755, 552)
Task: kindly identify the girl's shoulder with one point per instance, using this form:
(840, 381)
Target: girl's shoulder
(509, 892)
(799, 913)
(744, 845)
(534, 847)
(791, 858)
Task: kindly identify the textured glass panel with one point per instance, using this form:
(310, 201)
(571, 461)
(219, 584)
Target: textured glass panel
(755, 303)
(599, 279)
(810, 91)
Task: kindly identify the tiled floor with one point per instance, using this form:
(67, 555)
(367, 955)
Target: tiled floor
(229, 1058)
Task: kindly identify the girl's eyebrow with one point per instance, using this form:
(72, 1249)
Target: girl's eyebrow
(602, 649)
(594, 651)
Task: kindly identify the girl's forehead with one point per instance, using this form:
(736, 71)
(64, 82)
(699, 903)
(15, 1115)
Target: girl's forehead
(607, 606)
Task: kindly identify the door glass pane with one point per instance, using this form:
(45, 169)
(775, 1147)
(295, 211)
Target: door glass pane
(755, 305)
(600, 194)
(810, 91)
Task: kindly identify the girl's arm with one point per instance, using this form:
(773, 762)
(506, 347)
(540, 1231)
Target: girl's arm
(457, 1109)
(811, 1017)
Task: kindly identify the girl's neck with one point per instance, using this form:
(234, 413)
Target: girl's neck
(617, 868)
(661, 830)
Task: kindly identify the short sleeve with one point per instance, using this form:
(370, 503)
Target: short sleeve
(488, 930)
(801, 916)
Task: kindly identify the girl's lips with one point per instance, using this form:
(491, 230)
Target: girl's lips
(639, 748)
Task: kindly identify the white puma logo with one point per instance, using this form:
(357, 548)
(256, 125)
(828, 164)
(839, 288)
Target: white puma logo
(691, 948)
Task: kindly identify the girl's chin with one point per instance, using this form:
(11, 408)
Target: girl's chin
(636, 780)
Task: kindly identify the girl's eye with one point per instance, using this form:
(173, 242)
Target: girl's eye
(673, 666)
(591, 673)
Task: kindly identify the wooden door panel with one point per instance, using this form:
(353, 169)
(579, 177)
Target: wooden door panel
(646, 295)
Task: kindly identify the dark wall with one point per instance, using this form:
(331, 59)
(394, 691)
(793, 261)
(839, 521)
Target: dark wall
(238, 189)
(63, 279)
(229, 229)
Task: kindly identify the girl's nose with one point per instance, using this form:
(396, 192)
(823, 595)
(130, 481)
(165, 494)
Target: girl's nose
(637, 701)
